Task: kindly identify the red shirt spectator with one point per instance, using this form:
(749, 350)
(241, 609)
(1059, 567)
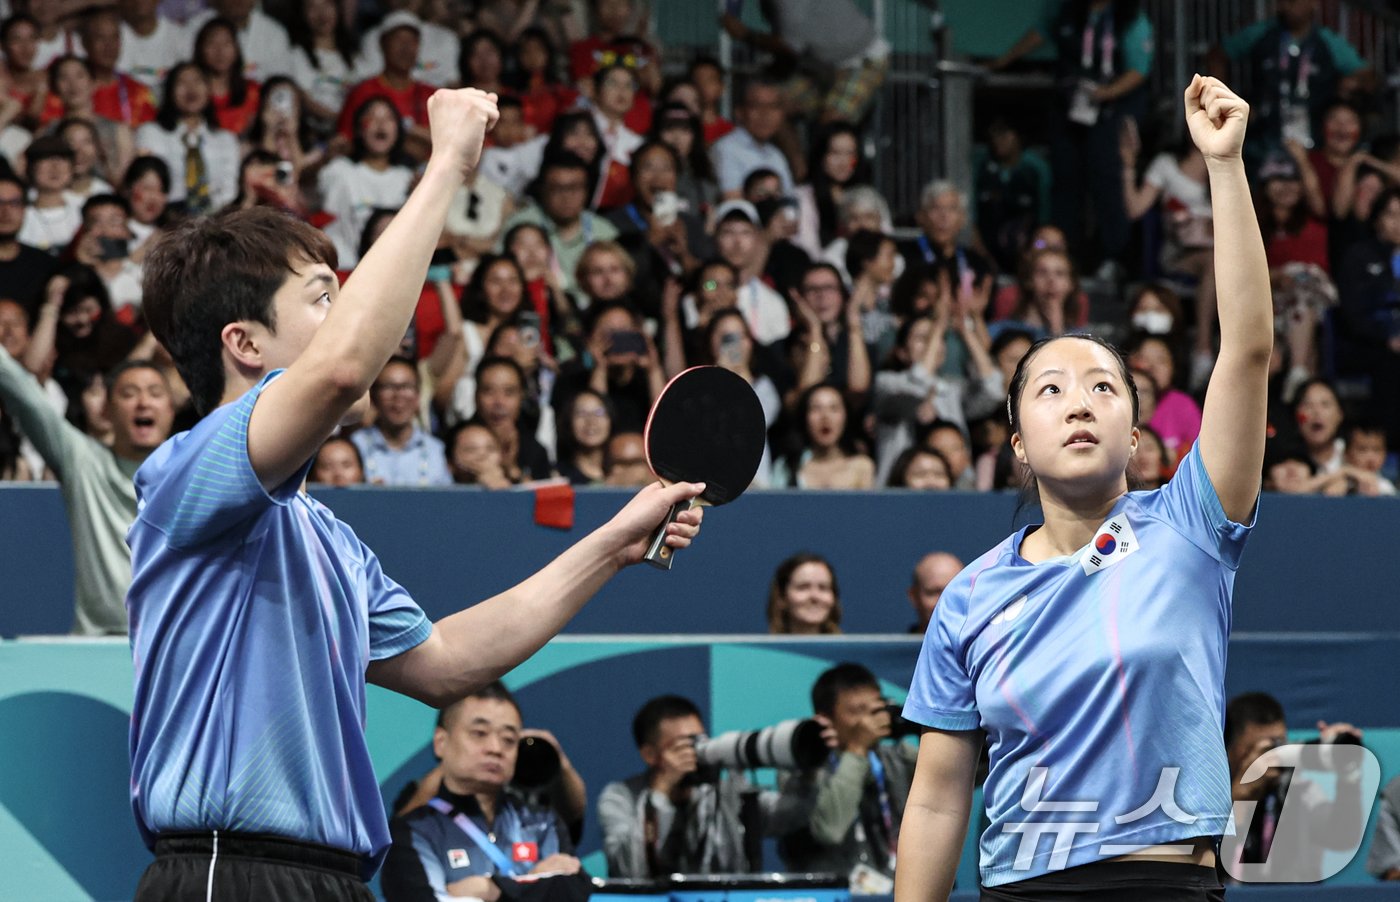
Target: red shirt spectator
(237, 118)
(126, 100)
(410, 100)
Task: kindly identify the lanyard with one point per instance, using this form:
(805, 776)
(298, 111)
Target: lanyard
(1288, 51)
(877, 770)
(636, 217)
(124, 99)
(926, 249)
(1108, 43)
(467, 826)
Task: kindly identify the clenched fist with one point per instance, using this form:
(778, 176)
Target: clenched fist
(458, 121)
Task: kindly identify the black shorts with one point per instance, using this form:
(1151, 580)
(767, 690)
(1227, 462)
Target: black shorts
(200, 867)
(1113, 881)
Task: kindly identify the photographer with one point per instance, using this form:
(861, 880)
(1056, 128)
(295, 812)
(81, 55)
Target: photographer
(1254, 724)
(674, 816)
(474, 834)
(854, 802)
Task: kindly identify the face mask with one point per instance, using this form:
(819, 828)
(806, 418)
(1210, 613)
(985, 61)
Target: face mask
(1153, 322)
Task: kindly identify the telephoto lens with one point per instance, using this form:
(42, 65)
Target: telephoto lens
(792, 745)
(536, 763)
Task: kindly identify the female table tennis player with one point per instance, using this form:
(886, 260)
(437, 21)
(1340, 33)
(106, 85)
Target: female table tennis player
(1090, 649)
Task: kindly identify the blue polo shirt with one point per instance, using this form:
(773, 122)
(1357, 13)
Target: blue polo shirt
(1099, 678)
(253, 618)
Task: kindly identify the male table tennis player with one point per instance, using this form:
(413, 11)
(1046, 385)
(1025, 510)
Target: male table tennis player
(256, 616)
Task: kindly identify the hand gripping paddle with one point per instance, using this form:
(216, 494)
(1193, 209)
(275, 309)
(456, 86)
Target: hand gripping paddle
(706, 426)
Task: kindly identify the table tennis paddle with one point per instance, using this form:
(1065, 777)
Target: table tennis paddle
(707, 426)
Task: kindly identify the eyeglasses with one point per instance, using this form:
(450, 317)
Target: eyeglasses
(821, 289)
(716, 285)
(570, 187)
(13, 202)
(399, 387)
(595, 414)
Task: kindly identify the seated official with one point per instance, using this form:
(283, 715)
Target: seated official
(853, 804)
(474, 831)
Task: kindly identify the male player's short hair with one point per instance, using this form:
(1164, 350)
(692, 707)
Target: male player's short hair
(1248, 709)
(494, 690)
(842, 678)
(208, 272)
(646, 725)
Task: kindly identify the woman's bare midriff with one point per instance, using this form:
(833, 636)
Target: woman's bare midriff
(1202, 853)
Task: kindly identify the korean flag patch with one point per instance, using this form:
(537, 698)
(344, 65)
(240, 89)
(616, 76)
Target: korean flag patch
(1112, 542)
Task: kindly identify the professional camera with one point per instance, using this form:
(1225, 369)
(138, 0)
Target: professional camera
(792, 744)
(536, 763)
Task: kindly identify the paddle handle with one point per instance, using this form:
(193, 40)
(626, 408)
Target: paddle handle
(659, 554)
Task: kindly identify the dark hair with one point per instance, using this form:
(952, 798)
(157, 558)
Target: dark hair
(9, 177)
(647, 147)
(842, 678)
(47, 147)
(1249, 709)
(1312, 383)
(400, 360)
(598, 310)
(823, 265)
(861, 250)
(646, 724)
(474, 306)
(127, 366)
(757, 175)
(697, 277)
(83, 283)
(494, 691)
(237, 81)
(468, 46)
(563, 159)
(1385, 199)
(58, 63)
(340, 439)
(140, 167)
(567, 122)
(521, 81)
(497, 360)
(1006, 336)
(899, 473)
(17, 19)
(568, 445)
(208, 272)
(9, 444)
(846, 441)
(106, 200)
(358, 150)
(255, 157)
(1026, 302)
(257, 131)
(1297, 218)
(1139, 340)
(346, 43)
(602, 72)
(1362, 425)
(777, 615)
(828, 212)
(168, 116)
(719, 317)
(755, 83)
(700, 62)
(698, 160)
(377, 215)
(63, 125)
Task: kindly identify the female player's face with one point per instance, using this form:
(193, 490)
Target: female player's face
(1076, 417)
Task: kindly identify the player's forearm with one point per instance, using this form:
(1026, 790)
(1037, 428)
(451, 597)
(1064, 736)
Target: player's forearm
(371, 314)
(930, 843)
(1241, 269)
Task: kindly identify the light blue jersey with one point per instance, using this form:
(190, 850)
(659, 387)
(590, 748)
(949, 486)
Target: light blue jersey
(253, 618)
(1099, 679)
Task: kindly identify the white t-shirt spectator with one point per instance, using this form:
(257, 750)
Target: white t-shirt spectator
(125, 287)
(1166, 176)
(51, 228)
(350, 191)
(267, 51)
(221, 159)
(328, 81)
(763, 309)
(514, 168)
(147, 58)
(438, 49)
(738, 153)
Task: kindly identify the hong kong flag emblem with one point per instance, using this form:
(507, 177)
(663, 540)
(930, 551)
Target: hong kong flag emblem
(524, 851)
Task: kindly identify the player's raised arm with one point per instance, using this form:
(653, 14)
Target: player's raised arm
(365, 321)
(1234, 420)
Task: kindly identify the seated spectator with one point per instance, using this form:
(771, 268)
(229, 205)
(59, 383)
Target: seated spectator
(116, 95)
(1383, 861)
(577, 132)
(784, 262)
(951, 441)
(707, 75)
(932, 574)
(478, 740)
(1178, 417)
(862, 209)
(909, 393)
(626, 461)
(1365, 456)
(519, 339)
(560, 197)
(263, 41)
(674, 817)
(24, 269)
(146, 187)
(1318, 411)
(739, 242)
(501, 388)
(1050, 301)
(282, 127)
(492, 298)
(151, 43)
(513, 158)
(338, 464)
(81, 137)
(609, 21)
(855, 801)
(605, 275)
(1292, 234)
(187, 137)
(828, 457)
(27, 82)
(941, 218)
(96, 481)
(870, 264)
(837, 52)
(1150, 467)
(750, 146)
(582, 443)
(1290, 470)
(1369, 321)
(1300, 66)
(439, 48)
(1254, 724)
(396, 450)
(53, 215)
(560, 328)
(665, 239)
(88, 336)
(325, 58)
(614, 91)
(834, 165)
(104, 244)
(621, 364)
(1337, 148)
(1012, 187)
(399, 35)
(543, 95)
(474, 456)
(679, 128)
(730, 344)
(1156, 310)
(261, 183)
(804, 597)
(375, 175)
(921, 469)
(72, 98)
(481, 62)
